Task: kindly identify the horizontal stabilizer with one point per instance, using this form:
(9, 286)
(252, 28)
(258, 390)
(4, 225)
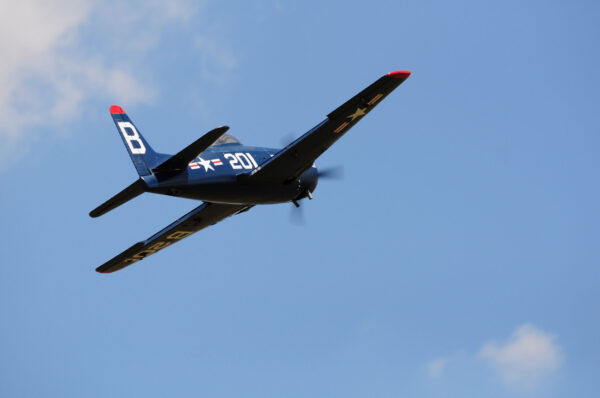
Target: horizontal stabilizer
(180, 160)
(125, 195)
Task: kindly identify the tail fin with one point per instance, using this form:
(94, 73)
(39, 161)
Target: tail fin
(142, 155)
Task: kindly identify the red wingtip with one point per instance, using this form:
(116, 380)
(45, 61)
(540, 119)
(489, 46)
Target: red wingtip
(399, 74)
(116, 109)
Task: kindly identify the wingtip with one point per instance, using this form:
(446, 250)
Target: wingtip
(103, 269)
(399, 74)
(116, 110)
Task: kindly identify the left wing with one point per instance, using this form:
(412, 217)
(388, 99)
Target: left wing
(299, 156)
(201, 217)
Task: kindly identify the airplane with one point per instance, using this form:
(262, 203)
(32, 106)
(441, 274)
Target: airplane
(230, 178)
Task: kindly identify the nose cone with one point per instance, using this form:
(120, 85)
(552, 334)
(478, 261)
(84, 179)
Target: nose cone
(308, 181)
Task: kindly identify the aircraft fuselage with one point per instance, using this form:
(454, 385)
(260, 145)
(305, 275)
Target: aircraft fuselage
(218, 175)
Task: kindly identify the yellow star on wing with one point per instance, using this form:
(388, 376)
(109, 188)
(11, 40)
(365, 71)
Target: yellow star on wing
(359, 112)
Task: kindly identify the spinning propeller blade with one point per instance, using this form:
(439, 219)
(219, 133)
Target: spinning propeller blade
(332, 173)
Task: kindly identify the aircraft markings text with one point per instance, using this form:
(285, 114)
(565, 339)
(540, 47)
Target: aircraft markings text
(237, 161)
(240, 160)
(125, 128)
(172, 238)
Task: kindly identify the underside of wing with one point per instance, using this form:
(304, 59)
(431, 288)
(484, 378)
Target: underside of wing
(201, 217)
(298, 156)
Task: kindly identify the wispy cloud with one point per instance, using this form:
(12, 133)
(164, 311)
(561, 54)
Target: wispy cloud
(436, 367)
(218, 59)
(49, 70)
(529, 356)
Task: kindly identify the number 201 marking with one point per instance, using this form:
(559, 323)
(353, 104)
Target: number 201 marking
(240, 161)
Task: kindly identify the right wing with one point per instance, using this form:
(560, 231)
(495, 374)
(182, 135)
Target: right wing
(201, 217)
(299, 156)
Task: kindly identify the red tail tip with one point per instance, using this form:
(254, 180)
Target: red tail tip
(399, 74)
(116, 109)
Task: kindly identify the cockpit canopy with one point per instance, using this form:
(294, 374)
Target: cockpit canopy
(226, 139)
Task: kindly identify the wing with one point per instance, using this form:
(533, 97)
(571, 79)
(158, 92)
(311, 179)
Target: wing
(181, 160)
(201, 217)
(298, 156)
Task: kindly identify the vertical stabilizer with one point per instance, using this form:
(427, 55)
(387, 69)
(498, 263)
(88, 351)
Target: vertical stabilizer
(142, 155)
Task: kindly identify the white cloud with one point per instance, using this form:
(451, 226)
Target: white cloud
(30, 34)
(526, 359)
(48, 70)
(436, 367)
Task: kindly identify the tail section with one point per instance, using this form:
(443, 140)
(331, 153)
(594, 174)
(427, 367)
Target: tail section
(146, 161)
(142, 155)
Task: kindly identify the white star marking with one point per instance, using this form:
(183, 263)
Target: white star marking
(206, 164)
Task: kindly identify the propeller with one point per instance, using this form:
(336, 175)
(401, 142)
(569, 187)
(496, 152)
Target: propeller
(297, 215)
(332, 173)
(327, 173)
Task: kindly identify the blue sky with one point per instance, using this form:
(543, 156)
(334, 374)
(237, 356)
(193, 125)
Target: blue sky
(458, 256)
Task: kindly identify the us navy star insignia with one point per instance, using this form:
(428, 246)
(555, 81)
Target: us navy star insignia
(359, 112)
(206, 164)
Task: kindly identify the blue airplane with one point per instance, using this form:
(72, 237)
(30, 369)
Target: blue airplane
(230, 178)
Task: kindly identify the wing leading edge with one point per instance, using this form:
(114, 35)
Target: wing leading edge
(298, 156)
(201, 217)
